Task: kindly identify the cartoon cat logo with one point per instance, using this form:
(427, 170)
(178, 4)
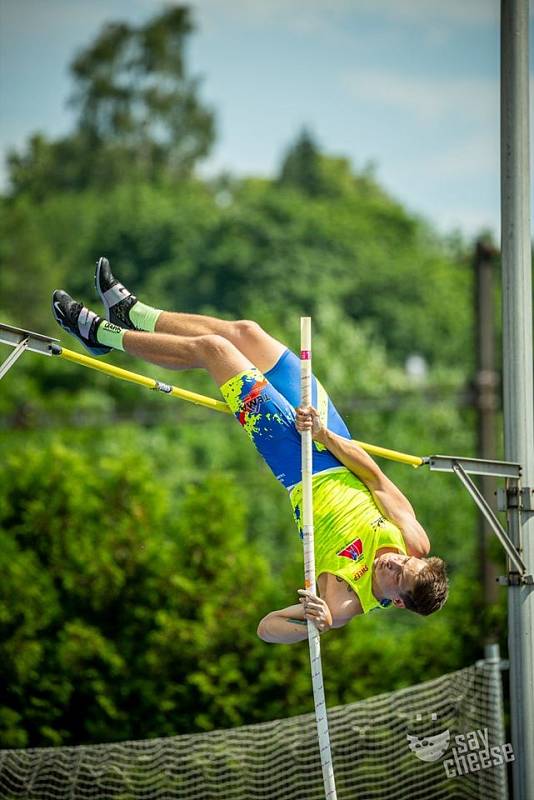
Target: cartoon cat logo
(429, 748)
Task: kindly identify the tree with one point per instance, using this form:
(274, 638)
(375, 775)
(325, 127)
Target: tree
(316, 174)
(131, 628)
(126, 609)
(139, 114)
(301, 167)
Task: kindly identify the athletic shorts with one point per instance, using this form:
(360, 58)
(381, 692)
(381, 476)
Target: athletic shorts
(265, 406)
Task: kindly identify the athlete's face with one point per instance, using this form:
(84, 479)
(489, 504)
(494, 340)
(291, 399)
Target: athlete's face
(396, 574)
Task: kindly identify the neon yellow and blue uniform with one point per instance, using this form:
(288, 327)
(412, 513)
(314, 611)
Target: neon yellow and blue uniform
(265, 407)
(349, 528)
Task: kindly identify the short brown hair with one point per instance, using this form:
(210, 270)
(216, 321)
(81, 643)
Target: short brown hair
(430, 590)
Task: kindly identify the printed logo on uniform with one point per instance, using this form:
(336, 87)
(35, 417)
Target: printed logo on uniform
(250, 404)
(377, 523)
(357, 575)
(354, 550)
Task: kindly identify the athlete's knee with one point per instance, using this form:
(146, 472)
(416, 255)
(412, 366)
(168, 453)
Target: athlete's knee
(247, 330)
(212, 346)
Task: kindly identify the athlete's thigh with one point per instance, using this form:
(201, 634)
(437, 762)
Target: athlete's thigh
(285, 376)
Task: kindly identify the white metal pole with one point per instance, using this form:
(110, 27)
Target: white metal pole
(309, 564)
(518, 381)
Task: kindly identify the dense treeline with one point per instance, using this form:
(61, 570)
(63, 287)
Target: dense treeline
(142, 539)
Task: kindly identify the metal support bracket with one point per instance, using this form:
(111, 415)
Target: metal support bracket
(514, 579)
(475, 466)
(515, 497)
(23, 340)
(37, 342)
(509, 547)
(13, 356)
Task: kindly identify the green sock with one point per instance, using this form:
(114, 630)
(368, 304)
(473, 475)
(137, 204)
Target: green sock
(144, 317)
(110, 335)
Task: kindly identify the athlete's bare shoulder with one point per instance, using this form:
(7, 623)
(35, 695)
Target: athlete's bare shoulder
(342, 600)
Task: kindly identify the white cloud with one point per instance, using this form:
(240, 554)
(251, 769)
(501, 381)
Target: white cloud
(471, 221)
(312, 16)
(315, 17)
(452, 12)
(473, 157)
(429, 99)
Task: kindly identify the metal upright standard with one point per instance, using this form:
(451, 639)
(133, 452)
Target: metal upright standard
(309, 564)
(518, 390)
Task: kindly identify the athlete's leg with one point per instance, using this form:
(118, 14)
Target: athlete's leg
(125, 310)
(280, 366)
(209, 351)
(261, 409)
(262, 349)
(265, 414)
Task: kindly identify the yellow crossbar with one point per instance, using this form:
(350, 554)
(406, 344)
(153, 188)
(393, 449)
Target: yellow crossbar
(202, 400)
(142, 380)
(392, 455)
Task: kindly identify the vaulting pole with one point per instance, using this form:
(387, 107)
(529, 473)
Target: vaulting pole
(517, 376)
(309, 564)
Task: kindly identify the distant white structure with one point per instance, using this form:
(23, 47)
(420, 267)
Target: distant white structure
(416, 368)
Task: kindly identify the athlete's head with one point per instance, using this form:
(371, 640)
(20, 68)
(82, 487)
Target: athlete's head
(418, 584)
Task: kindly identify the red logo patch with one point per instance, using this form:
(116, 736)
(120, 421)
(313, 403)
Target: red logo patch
(251, 400)
(354, 550)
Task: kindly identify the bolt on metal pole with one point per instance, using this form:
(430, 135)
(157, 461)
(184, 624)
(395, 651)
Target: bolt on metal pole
(517, 370)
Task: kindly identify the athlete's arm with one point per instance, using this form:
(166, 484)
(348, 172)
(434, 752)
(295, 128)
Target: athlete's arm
(390, 500)
(288, 625)
(397, 508)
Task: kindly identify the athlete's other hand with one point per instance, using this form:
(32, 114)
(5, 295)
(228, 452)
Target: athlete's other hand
(308, 419)
(315, 610)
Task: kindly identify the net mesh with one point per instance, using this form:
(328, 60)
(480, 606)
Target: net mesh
(280, 759)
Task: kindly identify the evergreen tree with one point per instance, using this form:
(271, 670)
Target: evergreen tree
(301, 167)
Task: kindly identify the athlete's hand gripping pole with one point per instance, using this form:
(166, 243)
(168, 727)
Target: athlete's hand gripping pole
(309, 563)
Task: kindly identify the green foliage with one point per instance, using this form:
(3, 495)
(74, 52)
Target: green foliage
(138, 113)
(141, 540)
(132, 89)
(301, 167)
(314, 174)
(123, 608)
(136, 572)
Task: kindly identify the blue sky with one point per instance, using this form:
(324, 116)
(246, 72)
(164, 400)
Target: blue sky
(410, 85)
